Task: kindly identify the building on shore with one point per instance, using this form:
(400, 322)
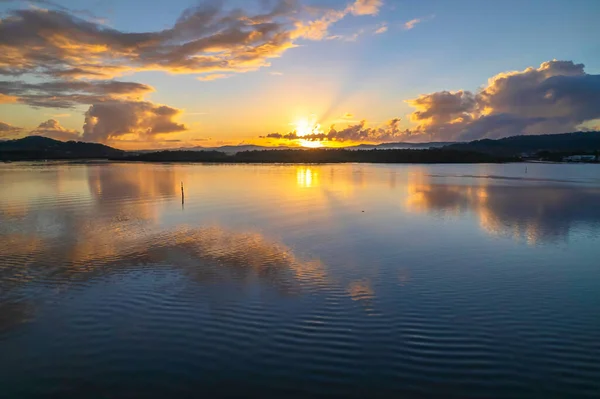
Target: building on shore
(580, 158)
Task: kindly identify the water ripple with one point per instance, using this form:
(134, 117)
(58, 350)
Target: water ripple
(275, 285)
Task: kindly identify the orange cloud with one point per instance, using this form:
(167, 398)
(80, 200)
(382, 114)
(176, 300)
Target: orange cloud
(59, 44)
(318, 29)
(412, 23)
(52, 128)
(205, 39)
(382, 29)
(8, 130)
(366, 7)
(6, 99)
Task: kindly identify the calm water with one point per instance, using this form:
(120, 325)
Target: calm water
(356, 280)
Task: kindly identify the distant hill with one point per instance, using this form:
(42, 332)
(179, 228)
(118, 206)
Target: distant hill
(232, 149)
(584, 142)
(321, 155)
(549, 147)
(228, 149)
(400, 146)
(38, 147)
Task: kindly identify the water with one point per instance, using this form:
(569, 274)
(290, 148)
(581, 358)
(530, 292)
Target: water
(297, 280)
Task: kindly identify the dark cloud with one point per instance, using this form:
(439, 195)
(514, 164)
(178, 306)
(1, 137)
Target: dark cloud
(7, 130)
(87, 72)
(359, 132)
(443, 107)
(52, 128)
(66, 94)
(556, 97)
(113, 119)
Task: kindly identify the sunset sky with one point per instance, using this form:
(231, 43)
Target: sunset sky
(179, 73)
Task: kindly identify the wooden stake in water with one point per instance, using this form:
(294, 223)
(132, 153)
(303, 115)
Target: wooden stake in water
(182, 194)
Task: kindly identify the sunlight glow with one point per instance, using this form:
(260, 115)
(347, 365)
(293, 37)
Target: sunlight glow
(311, 144)
(305, 127)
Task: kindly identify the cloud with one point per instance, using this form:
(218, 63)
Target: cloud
(382, 29)
(5, 99)
(7, 130)
(112, 120)
(52, 128)
(276, 73)
(412, 23)
(204, 39)
(346, 118)
(556, 97)
(318, 29)
(276, 136)
(67, 94)
(89, 72)
(366, 7)
(442, 107)
(346, 38)
(390, 131)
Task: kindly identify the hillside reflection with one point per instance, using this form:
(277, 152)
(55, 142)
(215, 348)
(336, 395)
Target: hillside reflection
(526, 212)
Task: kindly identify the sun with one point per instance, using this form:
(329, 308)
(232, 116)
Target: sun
(303, 127)
(306, 127)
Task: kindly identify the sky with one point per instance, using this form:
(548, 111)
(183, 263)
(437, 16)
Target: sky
(138, 75)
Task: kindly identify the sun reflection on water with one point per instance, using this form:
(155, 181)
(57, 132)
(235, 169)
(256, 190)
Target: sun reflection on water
(307, 177)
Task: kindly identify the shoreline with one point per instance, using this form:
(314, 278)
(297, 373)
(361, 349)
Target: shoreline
(106, 161)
